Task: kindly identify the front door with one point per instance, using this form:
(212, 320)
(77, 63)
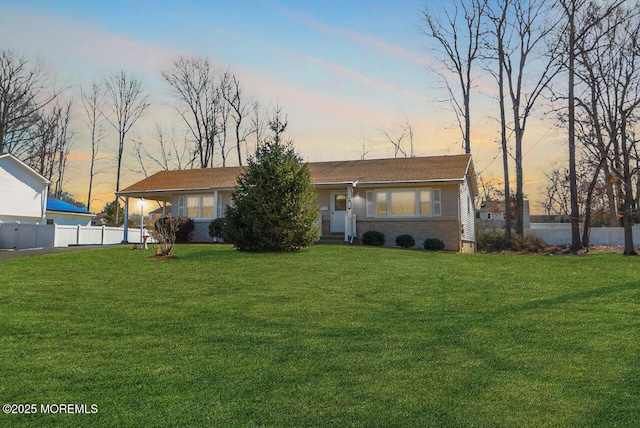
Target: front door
(338, 211)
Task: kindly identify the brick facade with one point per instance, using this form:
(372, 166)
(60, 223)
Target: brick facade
(446, 230)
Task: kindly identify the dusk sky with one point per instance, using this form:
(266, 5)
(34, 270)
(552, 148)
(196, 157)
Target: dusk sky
(342, 71)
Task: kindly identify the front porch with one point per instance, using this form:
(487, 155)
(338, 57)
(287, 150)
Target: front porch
(140, 203)
(338, 212)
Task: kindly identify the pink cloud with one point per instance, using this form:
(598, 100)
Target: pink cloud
(364, 39)
(361, 77)
(89, 46)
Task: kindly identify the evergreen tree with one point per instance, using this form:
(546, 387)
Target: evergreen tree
(109, 210)
(274, 205)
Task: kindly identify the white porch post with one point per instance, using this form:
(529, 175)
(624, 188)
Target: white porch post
(143, 242)
(348, 220)
(125, 237)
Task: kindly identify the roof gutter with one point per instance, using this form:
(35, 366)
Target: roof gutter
(369, 183)
(186, 189)
(328, 183)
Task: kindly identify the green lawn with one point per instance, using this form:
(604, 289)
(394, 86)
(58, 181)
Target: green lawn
(330, 336)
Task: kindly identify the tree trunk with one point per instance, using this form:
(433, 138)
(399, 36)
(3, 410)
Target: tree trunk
(587, 213)
(627, 222)
(519, 186)
(576, 243)
(503, 135)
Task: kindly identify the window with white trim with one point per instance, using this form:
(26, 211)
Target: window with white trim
(382, 207)
(200, 206)
(404, 203)
(193, 206)
(207, 206)
(425, 202)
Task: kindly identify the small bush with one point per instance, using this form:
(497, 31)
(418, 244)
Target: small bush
(164, 235)
(216, 228)
(492, 242)
(182, 226)
(529, 244)
(405, 241)
(185, 227)
(433, 244)
(373, 237)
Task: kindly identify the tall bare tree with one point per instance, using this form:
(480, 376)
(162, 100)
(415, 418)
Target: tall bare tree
(497, 32)
(195, 85)
(49, 149)
(128, 101)
(25, 89)
(259, 121)
(458, 34)
(627, 84)
(222, 114)
(167, 152)
(528, 73)
(93, 103)
(233, 95)
(399, 137)
(579, 18)
(596, 114)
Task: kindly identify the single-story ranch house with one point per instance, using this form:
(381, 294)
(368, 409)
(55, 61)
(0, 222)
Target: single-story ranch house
(426, 197)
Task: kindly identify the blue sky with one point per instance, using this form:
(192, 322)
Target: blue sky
(341, 70)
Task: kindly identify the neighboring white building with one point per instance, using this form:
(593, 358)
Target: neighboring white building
(491, 215)
(23, 192)
(23, 197)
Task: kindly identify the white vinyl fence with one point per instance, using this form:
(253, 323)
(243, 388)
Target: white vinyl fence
(560, 234)
(20, 236)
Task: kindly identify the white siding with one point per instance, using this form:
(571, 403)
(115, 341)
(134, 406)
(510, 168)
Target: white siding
(69, 218)
(324, 202)
(22, 193)
(467, 212)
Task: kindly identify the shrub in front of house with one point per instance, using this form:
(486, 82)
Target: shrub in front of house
(216, 228)
(164, 236)
(433, 244)
(373, 237)
(182, 227)
(405, 241)
(185, 229)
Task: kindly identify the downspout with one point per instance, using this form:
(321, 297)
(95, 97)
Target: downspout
(43, 204)
(460, 225)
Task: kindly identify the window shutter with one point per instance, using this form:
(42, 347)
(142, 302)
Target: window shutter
(437, 204)
(371, 203)
(180, 206)
(220, 208)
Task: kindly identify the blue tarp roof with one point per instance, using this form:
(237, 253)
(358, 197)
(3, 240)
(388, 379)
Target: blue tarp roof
(58, 205)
